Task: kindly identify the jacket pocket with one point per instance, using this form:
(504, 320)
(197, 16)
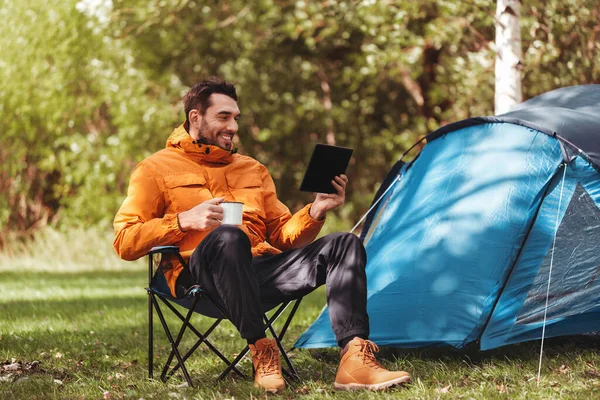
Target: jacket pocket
(173, 181)
(248, 190)
(186, 191)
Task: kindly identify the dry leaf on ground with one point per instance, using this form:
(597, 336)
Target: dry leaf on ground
(563, 369)
(445, 389)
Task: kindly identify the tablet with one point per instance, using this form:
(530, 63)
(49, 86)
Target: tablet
(326, 163)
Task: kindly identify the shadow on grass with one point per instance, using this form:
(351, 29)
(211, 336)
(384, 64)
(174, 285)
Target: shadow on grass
(98, 340)
(88, 337)
(68, 278)
(521, 350)
(24, 309)
(42, 322)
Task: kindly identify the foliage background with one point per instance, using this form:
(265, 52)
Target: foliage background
(89, 88)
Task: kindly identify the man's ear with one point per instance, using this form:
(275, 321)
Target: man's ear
(195, 117)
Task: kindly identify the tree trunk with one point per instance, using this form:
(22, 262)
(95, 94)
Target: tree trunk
(508, 56)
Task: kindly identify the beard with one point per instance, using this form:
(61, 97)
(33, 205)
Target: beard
(208, 141)
(205, 136)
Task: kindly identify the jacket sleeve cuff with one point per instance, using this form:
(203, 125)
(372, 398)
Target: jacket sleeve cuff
(305, 217)
(172, 223)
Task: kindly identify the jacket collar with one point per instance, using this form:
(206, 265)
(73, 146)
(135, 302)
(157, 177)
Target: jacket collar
(181, 140)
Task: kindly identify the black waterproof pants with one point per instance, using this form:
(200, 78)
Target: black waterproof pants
(223, 266)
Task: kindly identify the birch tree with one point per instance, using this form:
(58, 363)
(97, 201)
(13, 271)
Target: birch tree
(508, 55)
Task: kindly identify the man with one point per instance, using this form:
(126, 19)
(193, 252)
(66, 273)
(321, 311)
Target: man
(173, 199)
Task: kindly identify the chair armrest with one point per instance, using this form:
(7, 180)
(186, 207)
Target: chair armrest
(163, 250)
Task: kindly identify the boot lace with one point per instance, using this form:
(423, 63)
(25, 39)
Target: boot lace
(269, 361)
(368, 349)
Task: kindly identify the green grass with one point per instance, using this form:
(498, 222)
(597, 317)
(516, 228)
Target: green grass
(80, 318)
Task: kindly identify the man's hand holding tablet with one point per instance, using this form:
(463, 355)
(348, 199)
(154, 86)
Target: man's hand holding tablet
(325, 175)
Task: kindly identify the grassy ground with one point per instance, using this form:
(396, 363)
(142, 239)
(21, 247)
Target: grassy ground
(73, 325)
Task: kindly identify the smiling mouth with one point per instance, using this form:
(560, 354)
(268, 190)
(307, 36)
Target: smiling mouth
(226, 139)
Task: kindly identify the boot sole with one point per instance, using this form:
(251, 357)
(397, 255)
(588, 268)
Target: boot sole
(274, 391)
(270, 390)
(373, 387)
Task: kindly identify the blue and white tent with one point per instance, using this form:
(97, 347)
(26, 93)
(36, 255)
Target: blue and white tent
(494, 218)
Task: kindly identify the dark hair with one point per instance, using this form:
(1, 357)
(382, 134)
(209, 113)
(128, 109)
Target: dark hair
(198, 96)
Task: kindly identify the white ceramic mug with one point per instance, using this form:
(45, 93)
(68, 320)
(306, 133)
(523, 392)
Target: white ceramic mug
(232, 212)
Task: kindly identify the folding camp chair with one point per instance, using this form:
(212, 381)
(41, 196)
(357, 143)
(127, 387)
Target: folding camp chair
(198, 301)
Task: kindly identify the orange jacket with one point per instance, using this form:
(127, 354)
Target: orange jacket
(186, 174)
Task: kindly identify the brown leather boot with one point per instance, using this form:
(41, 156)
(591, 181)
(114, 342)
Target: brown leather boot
(267, 365)
(360, 370)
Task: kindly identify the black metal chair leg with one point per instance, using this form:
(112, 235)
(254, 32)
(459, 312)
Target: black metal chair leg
(150, 322)
(214, 350)
(205, 341)
(178, 340)
(234, 363)
(285, 327)
(150, 336)
(282, 332)
(172, 342)
(279, 337)
(293, 374)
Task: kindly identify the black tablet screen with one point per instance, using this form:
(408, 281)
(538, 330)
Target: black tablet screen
(325, 163)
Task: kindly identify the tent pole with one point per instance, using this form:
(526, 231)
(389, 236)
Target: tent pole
(398, 179)
(489, 318)
(550, 272)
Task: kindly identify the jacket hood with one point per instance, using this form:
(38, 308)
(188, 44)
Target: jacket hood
(181, 140)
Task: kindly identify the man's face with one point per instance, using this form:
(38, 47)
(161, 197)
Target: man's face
(218, 125)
